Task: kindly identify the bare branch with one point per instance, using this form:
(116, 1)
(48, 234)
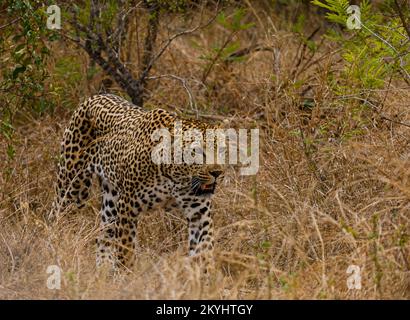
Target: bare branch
(402, 18)
(217, 56)
(302, 53)
(122, 23)
(94, 46)
(103, 46)
(395, 121)
(172, 38)
(192, 102)
(10, 23)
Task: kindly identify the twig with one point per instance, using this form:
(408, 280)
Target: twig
(10, 23)
(192, 102)
(302, 52)
(402, 69)
(395, 121)
(13, 261)
(149, 43)
(118, 35)
(104, 47)
(307, 66)
(245, 51)
(382, 116)
(217, 56)
(112, 65)
(172, 38)
(402, 18)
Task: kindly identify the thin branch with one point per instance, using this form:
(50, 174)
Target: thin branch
(217, 56)
(395, 121)
(377, 109)
(122, 23)
(172, 38)
(248, 50)
(403, 71)
(192, 102)
(302, 52)
(402, 18)
(10, 23)
(113, 66)
(103, 46)
(149, 43)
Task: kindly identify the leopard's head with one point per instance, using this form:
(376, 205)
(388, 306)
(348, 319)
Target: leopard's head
(197, 153)
(212, 151)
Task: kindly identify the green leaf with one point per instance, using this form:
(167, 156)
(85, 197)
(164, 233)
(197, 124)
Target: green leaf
(311, 45)
(11, 151)
(19, 47)
(247, 26)
(222, 19)
(298, 27)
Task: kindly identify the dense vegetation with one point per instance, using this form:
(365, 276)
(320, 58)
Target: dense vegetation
(332, 106)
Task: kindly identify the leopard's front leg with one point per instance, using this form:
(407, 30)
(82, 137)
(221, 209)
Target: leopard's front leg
(117, 241)
(126, 231)
(108, 214)
(197, 210)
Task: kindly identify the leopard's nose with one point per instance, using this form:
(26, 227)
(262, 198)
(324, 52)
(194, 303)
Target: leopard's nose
(215, 174)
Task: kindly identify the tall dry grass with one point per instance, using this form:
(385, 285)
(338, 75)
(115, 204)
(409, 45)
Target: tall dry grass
(288, 233)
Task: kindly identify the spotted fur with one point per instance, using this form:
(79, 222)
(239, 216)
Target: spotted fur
(111, 138)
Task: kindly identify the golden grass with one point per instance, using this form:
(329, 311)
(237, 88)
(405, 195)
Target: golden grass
(289, 233)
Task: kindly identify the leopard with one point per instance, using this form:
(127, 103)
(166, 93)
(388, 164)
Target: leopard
(110, 140)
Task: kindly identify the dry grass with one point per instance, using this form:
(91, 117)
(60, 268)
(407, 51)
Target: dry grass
(289, 233)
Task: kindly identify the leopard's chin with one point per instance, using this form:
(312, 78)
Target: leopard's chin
(209, 186)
